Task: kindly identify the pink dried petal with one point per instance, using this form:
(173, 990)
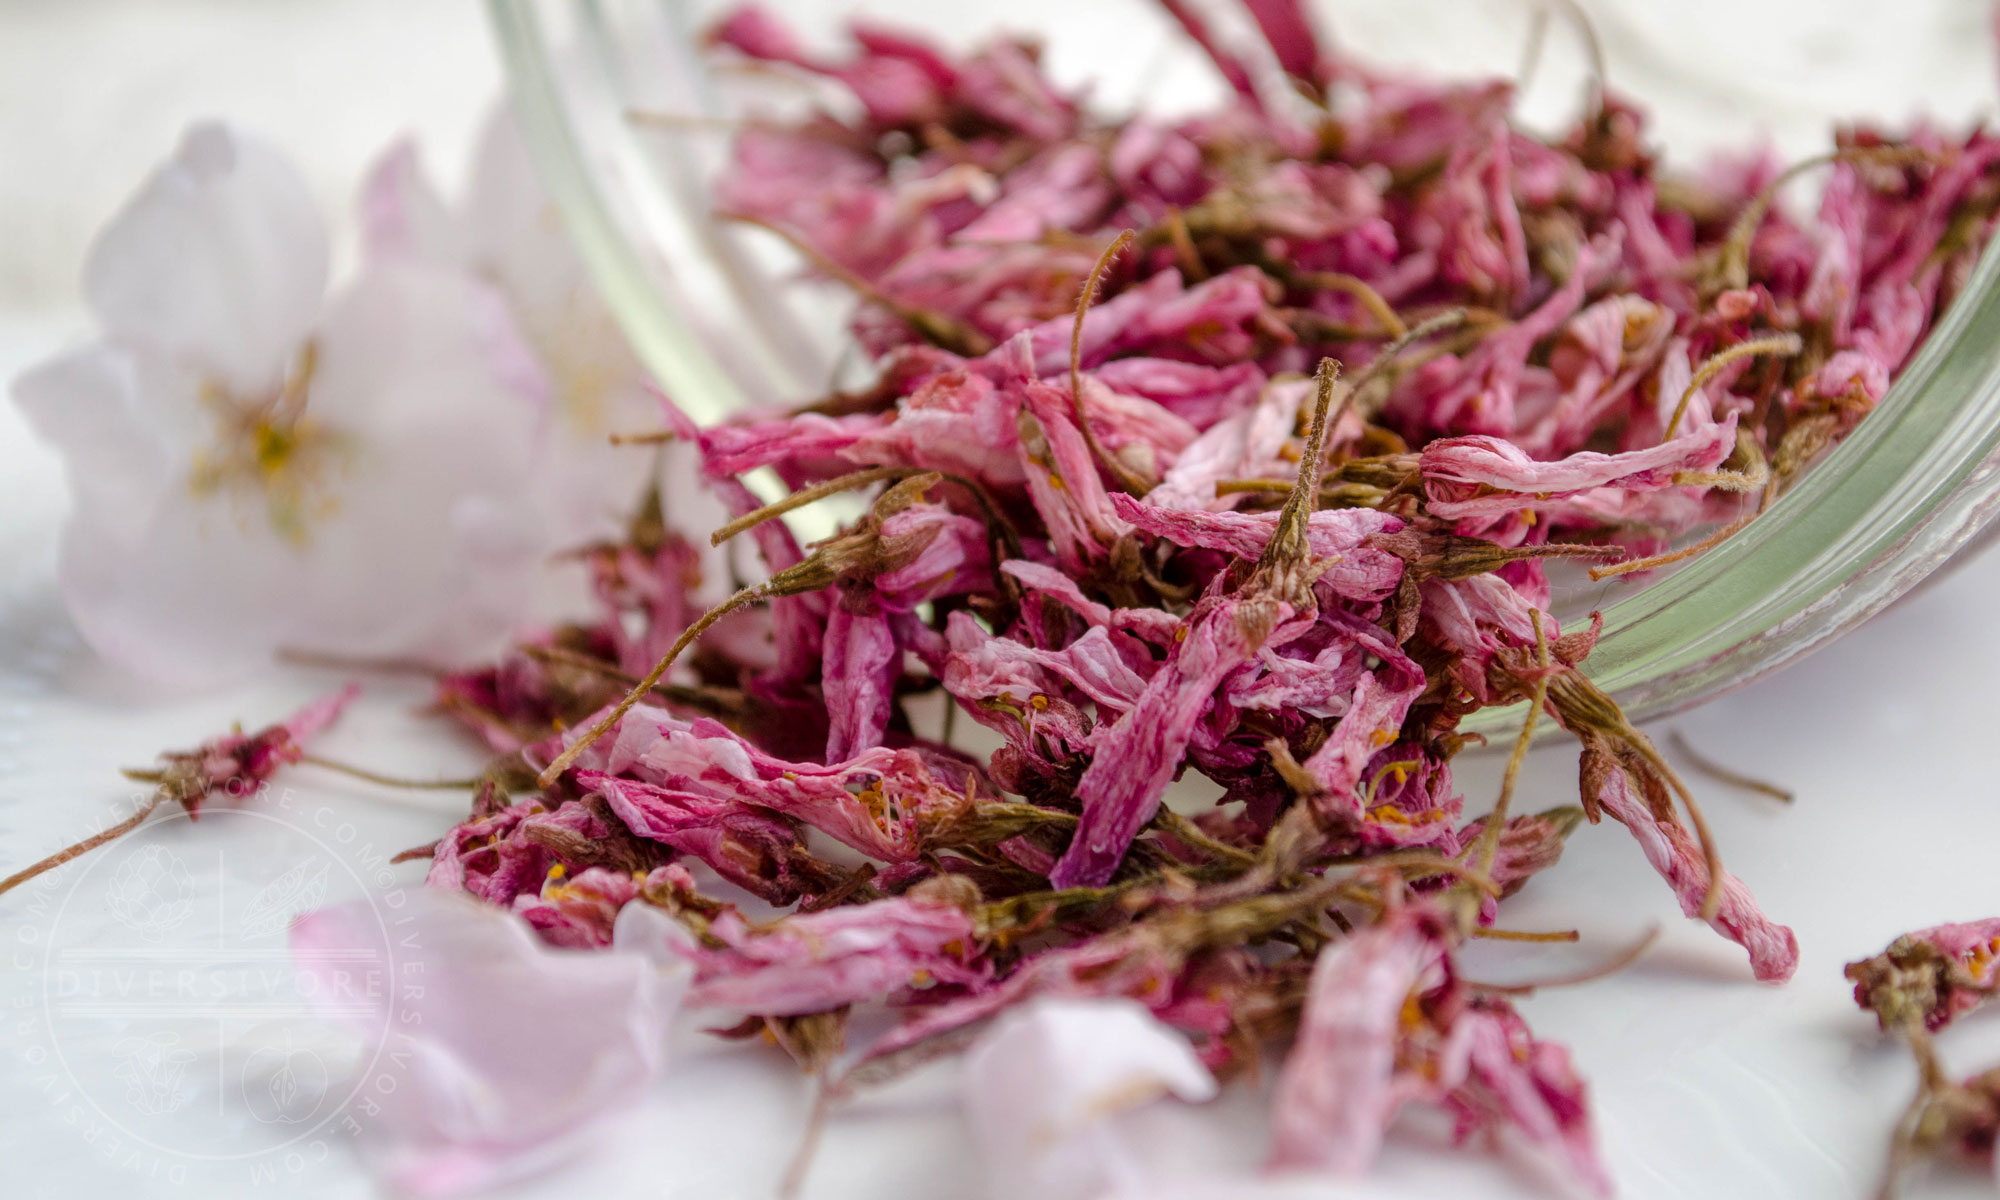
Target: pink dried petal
(750, 847)
(1359, 570)
(1338, 1092)
(1061, 191)
(1527, 1092)
(1488, 477)
(1138, 755)
(812, 962)
(861, 665)
(959, 422)
(1063, 480)
(1673, 852)
(1199, 394)
(875, 802)
(578, 914)
(1288, 28)
(1243, 445)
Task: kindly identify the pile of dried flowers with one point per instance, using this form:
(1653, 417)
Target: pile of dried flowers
(1235, 445)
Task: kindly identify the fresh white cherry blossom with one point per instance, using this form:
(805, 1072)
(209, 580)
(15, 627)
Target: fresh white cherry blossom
(506, 230)
(254, 467)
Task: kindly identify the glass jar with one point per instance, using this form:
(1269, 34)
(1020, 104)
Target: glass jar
(629, 119)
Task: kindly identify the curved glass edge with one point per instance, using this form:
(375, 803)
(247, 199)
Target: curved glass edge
(682, 365)
(1915, 481)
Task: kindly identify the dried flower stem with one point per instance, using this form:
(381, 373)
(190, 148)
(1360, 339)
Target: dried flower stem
(805, 576)
(650, 437)
(389, 781)
(85, 846)
(1612, 966)
(1366, 296)
(808, 495)
(1781, 343)
(1127, 478)
(1673, 556)
(1714, 770)
(1489, 837)
(720, 701)
(1524, 935)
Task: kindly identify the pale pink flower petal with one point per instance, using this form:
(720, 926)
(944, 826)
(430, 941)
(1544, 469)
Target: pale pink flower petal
(1044, 1086)
(505, 1054)
(351, 487)
(218, 262)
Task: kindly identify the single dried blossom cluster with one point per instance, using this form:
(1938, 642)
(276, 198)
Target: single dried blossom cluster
(1237, 446)
(1922, 982)
(1232, 446)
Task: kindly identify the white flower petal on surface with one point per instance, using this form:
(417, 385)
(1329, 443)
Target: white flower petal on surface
(1044, 1086)
(504, 1050)
(218, 262)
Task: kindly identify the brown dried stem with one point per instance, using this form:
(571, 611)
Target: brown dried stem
(105, 837)
(1127, 478)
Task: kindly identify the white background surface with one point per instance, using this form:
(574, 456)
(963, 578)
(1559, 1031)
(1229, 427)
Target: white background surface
(1705, 1083)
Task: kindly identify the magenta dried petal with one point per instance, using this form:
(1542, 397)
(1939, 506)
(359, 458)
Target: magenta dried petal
(1135, 757)
(1486, 477)
(1359, 571)
(1156, 166)
(1197, 393)
(1287, 26)
(812, 962)
(1598, 361)
(578, 913)
(959, 422)
(1374, 718)
(1210, 321)
(485, 858)
(1061, 191)
(1244, 445)
(1469, 219)
(1102, 966)
(861, 665)
(747, 846)
(955, 558)
(1151, 625)
(1338, 1091)
(1063, 480)
(1526, 1091)
(1672, 851)
(1477, 394)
